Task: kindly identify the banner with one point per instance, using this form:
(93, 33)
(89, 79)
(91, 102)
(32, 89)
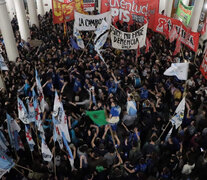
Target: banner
(184, 12)
(188, 38)
(125, 40)
(64, 11)
(90, 22)
(130, 11)
(203, 67)
(88, 5)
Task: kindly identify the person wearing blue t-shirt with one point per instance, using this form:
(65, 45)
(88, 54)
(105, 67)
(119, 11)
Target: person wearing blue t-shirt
(144, 92)
(77, 85)
(114, 116)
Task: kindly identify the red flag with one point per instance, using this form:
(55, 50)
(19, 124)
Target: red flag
(178, 43)
(203, 67)
(172, 34)
(148, 45)
(138, 52)
(204, 27)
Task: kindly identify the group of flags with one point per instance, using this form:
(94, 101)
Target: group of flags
(33, 115)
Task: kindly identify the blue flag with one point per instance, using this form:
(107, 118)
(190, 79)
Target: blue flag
(11, 136)
(30, 141)
(67, 147)
(22, 111)
(13, 129)
(74, 44)
(6, 164)
(54, 128)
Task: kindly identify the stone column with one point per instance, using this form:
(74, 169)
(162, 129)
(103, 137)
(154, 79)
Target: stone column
(7, 32)
(32, 13)
(162, 6)
(10, 8)
(198, 6)
(22, 20)
(47, 4)
(40, 8)
(168, 8)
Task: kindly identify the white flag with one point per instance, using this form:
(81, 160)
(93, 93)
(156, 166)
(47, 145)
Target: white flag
(179, 114)
(3, 65)
(31, 111)
(101, 29)
(169, 134)
(58, 111)
(46, 153)
(22, 112)
(40, 92)
(79, 40)
(101, 41)
(180, 70)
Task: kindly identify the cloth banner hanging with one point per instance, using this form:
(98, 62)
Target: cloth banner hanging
(188, 38)
(126, 40)
(90, 22)
(131, 11)
(63, 10)
(184, 12)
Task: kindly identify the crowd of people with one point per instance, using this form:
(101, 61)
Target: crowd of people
(136, 95)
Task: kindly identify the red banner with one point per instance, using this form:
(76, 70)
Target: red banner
(65, 11)
(188, 38)
(131, 11)
(203, 67)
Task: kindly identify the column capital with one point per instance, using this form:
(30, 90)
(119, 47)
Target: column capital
(2, 2)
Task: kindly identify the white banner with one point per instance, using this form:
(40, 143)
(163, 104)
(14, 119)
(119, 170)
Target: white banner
(90, 22)
(128, 40)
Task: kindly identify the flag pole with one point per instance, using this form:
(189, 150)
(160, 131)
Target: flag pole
(164, 130)
(54, 161)
(87, 45)
(37, 140)
(17, 165)
(19, 171)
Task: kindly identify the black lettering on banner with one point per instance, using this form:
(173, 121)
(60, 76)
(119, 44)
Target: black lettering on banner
(81, 22)
(115, 39)
(127, 36)
(191, 40)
